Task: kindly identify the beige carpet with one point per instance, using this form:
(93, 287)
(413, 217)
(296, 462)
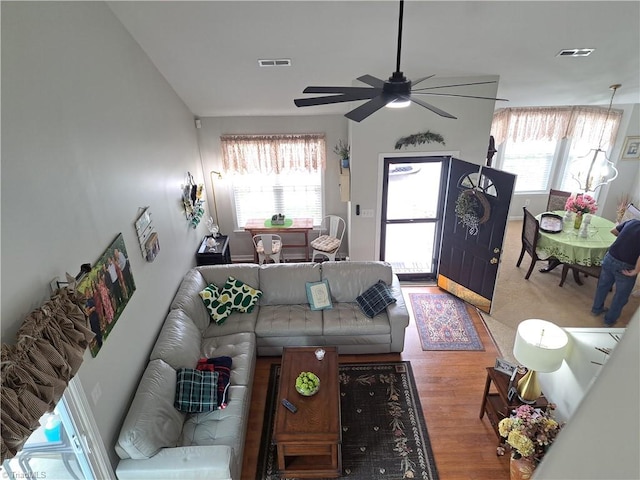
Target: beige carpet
(517, 299)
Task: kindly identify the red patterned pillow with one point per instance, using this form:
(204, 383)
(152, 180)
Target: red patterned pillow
(222, 365)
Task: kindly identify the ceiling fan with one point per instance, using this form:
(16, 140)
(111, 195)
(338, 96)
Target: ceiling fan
(397, 91)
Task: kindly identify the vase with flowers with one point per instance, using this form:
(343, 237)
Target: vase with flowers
(529, 432)
(580, 204)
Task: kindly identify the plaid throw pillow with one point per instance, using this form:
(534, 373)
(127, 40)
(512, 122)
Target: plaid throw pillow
(375, 299)
(221, 366)
(196, 391)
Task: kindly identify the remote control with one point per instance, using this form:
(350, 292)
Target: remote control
(289, 406)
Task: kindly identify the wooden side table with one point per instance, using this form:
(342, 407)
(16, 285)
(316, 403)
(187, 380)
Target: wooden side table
(497, 404)
(214, 256)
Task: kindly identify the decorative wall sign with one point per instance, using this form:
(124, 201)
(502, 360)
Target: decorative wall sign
(106, 290)
(147, 236)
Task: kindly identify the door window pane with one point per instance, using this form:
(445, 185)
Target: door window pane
(413, 190)
(410, 247)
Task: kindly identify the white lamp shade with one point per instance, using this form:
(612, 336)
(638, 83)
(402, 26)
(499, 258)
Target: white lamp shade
(540, 345)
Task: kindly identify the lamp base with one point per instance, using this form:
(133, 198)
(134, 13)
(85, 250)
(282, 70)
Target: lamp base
(528, 388)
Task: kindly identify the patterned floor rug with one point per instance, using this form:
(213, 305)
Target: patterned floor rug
(443, 322)
(384, 435)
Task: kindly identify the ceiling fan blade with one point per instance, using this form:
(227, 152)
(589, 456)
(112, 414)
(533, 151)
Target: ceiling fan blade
(415, 82)
(449, 86)
(371, 80)
(366, 109)
(456, 95)
(309, 102)
(442, 113)
(344, 90)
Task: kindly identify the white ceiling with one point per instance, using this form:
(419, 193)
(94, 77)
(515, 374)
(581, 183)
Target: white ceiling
(208, 51)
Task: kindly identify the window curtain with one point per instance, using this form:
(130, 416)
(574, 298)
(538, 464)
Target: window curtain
(36, 370)
(273, 154)
(556, 123)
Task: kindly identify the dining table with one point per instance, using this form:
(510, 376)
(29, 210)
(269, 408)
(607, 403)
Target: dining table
(301, 226)
(570, 246)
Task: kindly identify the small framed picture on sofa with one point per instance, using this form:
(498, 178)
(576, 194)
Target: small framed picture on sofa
(505, 367)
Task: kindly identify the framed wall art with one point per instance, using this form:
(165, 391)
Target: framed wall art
(631, 149)
(106, 290)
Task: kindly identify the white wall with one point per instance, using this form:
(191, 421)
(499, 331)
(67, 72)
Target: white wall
(90, 132)
(377, 134)
(333, 126)
(601, 440)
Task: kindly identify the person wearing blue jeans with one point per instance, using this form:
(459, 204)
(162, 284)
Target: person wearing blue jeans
(620, 266)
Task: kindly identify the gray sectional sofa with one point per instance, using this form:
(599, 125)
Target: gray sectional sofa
(158, 441)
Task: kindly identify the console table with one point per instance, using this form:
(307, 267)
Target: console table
(497, 404)
(219, 254)
(302, 226)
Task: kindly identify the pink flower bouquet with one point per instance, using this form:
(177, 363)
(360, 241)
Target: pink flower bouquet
(581, 203)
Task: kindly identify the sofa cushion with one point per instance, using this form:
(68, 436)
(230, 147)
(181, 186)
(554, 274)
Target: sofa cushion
(178, 329)
(348, 280)
(196, 390)
(222, 367)
(188, 300)
(152, 422)
(375, 299)
(240, 347)
(288, 320)
(285, 283)
(243, 297)
(218, 274)
(319, 295)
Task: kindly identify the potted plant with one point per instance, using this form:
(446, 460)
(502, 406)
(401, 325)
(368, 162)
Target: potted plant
(529, 432)
(343, 151)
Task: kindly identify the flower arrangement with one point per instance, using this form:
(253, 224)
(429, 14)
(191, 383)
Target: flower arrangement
(581, 203)
(529, 431)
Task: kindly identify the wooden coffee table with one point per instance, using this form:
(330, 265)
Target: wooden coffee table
(309, 441)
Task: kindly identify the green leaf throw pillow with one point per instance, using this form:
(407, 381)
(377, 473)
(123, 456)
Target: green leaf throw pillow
(241, 296)
(196, 390)
(375, 299)
(218, 310)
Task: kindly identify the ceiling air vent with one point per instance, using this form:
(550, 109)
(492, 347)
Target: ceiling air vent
(274, 62)
(575, 52)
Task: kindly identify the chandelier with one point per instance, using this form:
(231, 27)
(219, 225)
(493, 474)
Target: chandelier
(601, 170)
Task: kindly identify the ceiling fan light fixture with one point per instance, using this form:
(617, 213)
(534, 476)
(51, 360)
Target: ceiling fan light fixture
(399, 103)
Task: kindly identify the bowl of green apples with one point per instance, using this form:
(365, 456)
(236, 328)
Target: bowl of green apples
(307, 384)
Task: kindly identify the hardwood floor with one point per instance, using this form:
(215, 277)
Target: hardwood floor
(451, 385)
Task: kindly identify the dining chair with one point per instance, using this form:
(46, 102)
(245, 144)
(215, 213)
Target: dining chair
(557, 199)
(268, 247)
(328, 244)
(593, 271)
(530, 234)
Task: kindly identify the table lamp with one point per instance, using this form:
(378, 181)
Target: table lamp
(540, 346)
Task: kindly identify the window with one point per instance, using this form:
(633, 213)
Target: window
(294, 195)
(275, 174)
(549, 147)
(532, 162)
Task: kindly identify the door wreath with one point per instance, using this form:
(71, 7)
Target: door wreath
(472, 209)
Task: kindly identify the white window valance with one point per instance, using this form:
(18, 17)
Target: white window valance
(273, 154)
(555, 123)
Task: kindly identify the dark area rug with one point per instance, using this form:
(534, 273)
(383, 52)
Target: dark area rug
(384, 435)
(443, 322)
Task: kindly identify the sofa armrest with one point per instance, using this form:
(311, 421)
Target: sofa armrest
(398, 316)
(210, 462)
